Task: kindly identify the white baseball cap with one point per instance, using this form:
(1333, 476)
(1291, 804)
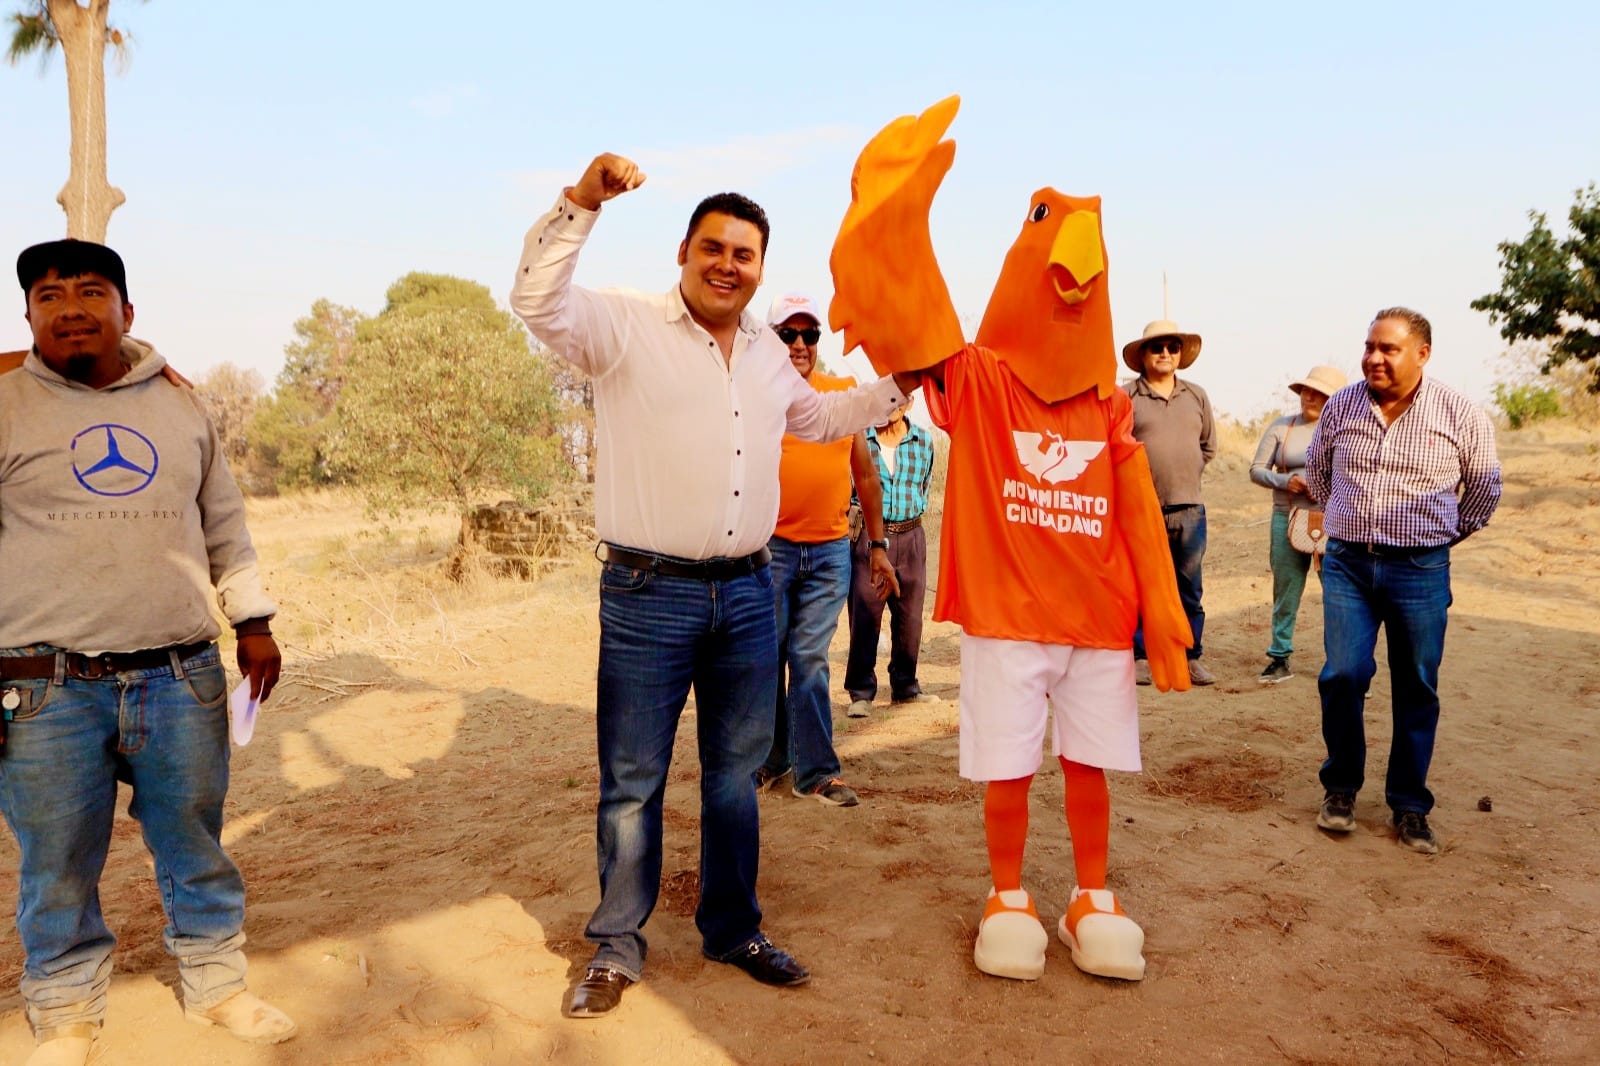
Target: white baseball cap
(790, 304)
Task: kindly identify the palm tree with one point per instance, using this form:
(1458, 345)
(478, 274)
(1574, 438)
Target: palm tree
(80, 31)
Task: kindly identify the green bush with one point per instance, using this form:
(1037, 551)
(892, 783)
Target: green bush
(1522, 404)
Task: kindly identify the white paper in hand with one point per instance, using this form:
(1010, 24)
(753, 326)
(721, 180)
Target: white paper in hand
(242, 712)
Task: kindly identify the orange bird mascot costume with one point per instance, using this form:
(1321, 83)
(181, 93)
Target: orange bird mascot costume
(1053, 546)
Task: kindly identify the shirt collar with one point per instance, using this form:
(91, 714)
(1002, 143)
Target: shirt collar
(1422, 391)
(1142, 384)
(676, 309)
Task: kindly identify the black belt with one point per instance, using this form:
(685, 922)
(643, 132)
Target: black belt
(896, 528)
(94, 667)
(1384, 551)
(1175, 508)
(696, 569)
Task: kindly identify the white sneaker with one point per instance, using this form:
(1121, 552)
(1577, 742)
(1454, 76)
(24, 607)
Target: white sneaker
(248, 1017)
(62, 1051)
(1011, 940)
(859, 709)
(1104, 941)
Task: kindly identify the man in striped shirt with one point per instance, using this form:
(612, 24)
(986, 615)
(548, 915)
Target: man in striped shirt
(1405, 467)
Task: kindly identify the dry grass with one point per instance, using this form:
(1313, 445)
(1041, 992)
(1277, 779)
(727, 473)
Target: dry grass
(1491, 1018)
(956, 792)
(384, 591)
(1243, 781)
(680, 892)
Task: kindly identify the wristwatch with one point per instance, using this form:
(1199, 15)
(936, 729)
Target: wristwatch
(884, 544)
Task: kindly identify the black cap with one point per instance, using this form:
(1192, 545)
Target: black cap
(71, 258)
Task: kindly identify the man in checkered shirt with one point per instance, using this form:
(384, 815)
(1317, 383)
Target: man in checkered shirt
(1405, 467)
(902, 451)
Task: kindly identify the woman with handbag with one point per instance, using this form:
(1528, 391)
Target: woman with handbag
(1296, 519)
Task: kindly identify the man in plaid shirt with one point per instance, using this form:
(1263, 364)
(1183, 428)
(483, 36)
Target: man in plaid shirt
(1405, 467)
(903, 454)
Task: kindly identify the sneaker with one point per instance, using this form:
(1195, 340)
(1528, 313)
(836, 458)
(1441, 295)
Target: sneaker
(859, 709)
(834, 792)
(1338, 813)
(767, 780)
(1141, 672)
(1103, 939)
(1199, 675)
(1277, 670)
(1011, 940)
(918, 697)
(1414, 832)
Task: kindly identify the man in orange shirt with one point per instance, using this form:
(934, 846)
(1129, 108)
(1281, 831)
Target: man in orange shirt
(811, 571)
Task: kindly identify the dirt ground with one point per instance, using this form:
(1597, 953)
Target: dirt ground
(415, 823)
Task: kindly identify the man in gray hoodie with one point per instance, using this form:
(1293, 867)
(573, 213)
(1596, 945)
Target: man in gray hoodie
(119, 516)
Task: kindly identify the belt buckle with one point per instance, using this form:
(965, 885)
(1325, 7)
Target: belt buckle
(93, 668)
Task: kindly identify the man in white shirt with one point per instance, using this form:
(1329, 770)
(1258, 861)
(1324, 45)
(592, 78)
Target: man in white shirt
(692, 399)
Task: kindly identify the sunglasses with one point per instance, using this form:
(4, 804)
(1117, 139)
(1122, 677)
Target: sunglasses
(1170, 345)
(787, 335)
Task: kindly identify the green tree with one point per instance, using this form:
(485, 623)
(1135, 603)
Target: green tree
(291, 431)
(418, 292)
(443, 402)
(313, 363)
(79, 28)
(1550, 289)
(288, 444)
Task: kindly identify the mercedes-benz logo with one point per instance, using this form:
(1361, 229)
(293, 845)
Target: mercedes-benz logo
(113, 460)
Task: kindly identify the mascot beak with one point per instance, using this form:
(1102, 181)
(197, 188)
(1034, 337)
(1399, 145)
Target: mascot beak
(1076, 252)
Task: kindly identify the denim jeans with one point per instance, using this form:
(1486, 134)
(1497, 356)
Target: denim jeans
(70, 741)
(908, 553)
(1186, 538)
(809, 584)
(1288, 585)
(1410, 597)
(659, 636)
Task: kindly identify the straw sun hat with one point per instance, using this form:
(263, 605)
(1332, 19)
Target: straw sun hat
(1133, 351)
(1324, 379)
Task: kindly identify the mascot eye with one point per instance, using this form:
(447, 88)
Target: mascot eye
(1040, 213)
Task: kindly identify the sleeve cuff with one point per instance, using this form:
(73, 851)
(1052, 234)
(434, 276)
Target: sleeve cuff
(567, 219)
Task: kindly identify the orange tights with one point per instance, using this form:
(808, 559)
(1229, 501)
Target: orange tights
(1005, 821)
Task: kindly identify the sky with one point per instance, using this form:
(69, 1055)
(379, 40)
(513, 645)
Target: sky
(1289, 169)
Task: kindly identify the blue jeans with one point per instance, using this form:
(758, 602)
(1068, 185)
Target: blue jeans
(165, 732)
(1410, 597)
(1289, 569)
(810, 583)
(1186, 538)
(659, 636)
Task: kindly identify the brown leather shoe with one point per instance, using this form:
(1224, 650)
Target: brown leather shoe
(598, 993)
(770, 964)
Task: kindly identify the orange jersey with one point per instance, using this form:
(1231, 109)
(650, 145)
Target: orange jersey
(1031, 548)
(814, 482)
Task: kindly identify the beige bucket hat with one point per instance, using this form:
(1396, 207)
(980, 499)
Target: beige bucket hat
(1324, 379)
(1161, 327)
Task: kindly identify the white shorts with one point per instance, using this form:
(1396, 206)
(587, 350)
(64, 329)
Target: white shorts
(1008, 688)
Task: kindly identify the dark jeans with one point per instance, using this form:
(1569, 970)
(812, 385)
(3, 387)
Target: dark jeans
(1186, 537)
(659, 636)
(809, 583)
(908, 553)
(1410, 597)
